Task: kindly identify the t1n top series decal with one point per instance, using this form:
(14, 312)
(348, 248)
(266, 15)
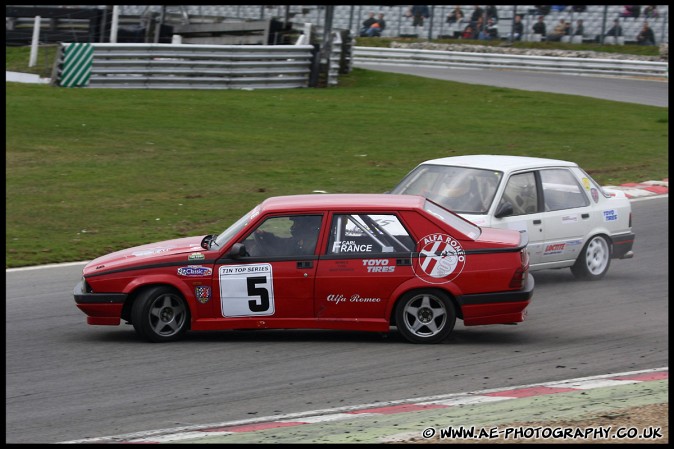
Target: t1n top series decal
(246, 290)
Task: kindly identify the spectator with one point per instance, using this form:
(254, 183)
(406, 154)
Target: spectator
(419, 13)
(377, 27)
(367, 23)
(477, 13)
(491, 12)
(646, 36)
(558, 32)
(579, 8)
(518, 28)
(539, 27)
(456, 16)
(478, 27)
(468, 32)
(558, 8)
(490, 32)
(616, 30)
(382, 23)
(580, 29)
(651, 12)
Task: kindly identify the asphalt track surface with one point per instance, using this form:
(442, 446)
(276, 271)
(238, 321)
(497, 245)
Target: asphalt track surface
(646, 91)
(68, 381)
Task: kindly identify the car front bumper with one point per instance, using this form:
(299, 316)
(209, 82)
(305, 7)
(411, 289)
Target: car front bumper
(100, 308)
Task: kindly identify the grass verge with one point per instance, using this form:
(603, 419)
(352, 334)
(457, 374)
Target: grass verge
(90, 171)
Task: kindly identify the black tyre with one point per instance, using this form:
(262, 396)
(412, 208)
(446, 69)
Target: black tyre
(160, 314)
(425, 316)
(593, 262)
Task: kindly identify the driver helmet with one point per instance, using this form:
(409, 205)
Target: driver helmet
(302, 226)
(454, 190)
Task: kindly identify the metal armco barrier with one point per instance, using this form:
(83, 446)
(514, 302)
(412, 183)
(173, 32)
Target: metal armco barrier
(434, 58)
(77, 65)
(171, 66)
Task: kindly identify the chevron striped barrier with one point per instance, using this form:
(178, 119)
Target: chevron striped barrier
(77, 64)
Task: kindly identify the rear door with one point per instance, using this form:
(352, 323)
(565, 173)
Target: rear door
(567, 216)
(367, 257)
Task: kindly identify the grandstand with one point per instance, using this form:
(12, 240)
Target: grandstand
(597, 18)
(398, 24)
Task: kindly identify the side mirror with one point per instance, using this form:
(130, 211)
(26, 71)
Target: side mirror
(238, 250)
(504, 209)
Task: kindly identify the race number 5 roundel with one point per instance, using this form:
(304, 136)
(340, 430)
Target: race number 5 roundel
(441, 259)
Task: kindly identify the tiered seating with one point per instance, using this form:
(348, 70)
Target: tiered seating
(397, 23)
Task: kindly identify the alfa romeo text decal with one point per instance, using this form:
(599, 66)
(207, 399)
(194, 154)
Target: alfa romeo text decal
(441, 259)
(246, 290)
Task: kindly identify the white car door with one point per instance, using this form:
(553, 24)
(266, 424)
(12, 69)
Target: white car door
(567, 215)
(521, 192)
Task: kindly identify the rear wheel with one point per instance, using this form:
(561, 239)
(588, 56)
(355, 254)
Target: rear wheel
(160, 314)
(592, 264)
(425, 316)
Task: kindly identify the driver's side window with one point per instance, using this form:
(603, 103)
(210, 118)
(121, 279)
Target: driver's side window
(284, 236)
(522, 194)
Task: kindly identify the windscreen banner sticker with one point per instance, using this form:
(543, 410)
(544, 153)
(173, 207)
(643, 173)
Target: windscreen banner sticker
(246, 290)
(441, 259)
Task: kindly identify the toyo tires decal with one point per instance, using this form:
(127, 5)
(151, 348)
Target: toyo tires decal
(441, 259)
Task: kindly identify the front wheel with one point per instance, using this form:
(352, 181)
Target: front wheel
(425, 316)
(592, 264)
(160, 314)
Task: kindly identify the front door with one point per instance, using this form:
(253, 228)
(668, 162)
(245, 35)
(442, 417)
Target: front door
(522, 193)
(275, 279)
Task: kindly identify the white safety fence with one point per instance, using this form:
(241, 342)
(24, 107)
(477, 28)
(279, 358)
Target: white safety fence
(435, 58)
(174, 66)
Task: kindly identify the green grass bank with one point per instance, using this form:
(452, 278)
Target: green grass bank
(89, 171)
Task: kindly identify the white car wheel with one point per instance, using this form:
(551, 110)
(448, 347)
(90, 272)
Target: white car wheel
(592, 264)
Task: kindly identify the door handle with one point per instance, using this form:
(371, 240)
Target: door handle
(585, 215)
(537, 221)
(305, 264)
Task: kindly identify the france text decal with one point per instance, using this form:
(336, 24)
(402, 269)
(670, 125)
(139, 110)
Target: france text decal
(441, 259)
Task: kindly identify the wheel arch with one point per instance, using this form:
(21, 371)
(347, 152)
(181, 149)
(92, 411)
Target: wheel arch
(422, 288)
(134, 291)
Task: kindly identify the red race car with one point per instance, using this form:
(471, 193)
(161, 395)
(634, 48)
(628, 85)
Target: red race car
(362, 262)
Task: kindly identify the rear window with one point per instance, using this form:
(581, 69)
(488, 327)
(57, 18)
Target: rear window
(464, 226)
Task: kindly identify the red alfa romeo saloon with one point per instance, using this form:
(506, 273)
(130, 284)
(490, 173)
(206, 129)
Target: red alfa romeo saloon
(360, 262)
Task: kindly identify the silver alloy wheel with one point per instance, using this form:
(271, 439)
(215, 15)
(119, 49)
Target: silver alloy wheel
(167, 314)
(425, 315)
(597, 255)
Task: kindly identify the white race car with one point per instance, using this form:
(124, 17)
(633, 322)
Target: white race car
(570, 220)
